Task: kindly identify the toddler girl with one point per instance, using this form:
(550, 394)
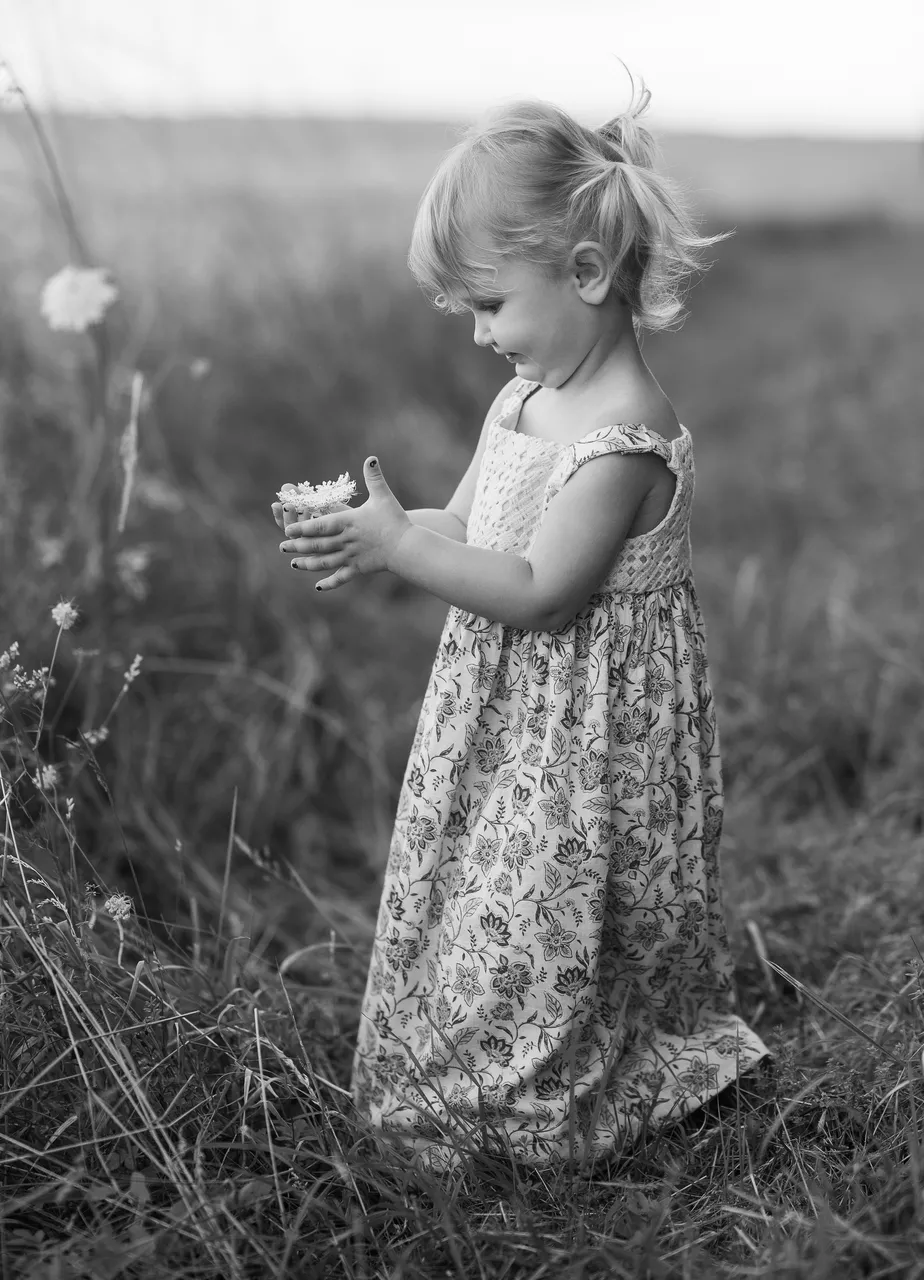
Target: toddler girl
(550, 960)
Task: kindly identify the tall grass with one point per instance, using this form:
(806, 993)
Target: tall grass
(173, 1082)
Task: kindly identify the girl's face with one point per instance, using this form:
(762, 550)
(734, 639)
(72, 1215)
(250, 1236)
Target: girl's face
(546, 327)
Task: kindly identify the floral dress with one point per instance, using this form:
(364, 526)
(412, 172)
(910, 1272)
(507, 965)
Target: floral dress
(550, 962)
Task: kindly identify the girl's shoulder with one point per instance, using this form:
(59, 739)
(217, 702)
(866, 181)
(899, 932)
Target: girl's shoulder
(650, 415)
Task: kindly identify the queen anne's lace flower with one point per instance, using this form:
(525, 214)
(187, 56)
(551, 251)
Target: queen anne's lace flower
(64, 615)
(319, 498)
(77, 297)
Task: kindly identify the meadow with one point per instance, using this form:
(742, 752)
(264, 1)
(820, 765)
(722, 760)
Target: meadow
(187, 903)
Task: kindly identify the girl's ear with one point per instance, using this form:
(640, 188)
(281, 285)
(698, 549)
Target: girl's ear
(591, 271)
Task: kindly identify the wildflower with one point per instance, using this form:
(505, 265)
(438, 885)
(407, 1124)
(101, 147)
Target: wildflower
(64, 615)
(321, 498)
(50, 552)
(131, 563)
(119, 906)
(37, 679)
(9, 655)
(133, 671)
(46, 778)
(199, 368)
(93, 737)
(77, 297)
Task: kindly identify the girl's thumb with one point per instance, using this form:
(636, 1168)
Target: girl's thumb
(372, 473)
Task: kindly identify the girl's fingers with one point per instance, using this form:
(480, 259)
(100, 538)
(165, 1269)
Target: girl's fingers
(282, 514)
(316, 526)
(337, 579)
(318, 563)
(310, 546)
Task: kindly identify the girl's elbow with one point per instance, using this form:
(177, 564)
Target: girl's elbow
(551, 606)
(559, 621)
(554, 615)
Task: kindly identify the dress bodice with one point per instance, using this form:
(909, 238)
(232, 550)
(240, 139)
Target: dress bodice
(520, 475)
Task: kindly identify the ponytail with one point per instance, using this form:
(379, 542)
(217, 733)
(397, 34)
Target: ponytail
(538, 182)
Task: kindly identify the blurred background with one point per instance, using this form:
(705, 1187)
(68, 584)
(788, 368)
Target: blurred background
(249, 173)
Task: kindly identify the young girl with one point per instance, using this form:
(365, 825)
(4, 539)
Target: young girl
(550, 958)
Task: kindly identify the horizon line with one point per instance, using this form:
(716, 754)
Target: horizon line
(316, 116)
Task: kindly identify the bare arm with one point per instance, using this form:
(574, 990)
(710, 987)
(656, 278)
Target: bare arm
(580, 537)
(438, 520)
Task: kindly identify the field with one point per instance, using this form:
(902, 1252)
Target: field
(172, 1093)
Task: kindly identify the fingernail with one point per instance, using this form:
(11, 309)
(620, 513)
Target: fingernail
(294, 565)
(317, 586)
(373, 462)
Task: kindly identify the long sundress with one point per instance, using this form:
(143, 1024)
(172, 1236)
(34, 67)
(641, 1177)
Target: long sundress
(550, 959)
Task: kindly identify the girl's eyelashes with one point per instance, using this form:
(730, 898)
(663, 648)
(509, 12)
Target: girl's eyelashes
(492, 308)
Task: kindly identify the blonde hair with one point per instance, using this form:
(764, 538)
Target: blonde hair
(538, 182)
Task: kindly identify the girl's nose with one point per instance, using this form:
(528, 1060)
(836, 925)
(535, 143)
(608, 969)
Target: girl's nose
(482, 333)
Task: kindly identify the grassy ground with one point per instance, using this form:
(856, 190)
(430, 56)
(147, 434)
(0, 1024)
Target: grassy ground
(172, 1091)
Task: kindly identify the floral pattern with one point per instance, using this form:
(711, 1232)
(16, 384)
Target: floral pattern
(550, 960)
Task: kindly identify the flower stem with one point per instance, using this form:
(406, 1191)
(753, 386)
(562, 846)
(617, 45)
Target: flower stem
(38, 732)
(65, 208)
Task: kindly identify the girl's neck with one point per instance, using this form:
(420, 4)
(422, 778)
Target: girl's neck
(613, 364)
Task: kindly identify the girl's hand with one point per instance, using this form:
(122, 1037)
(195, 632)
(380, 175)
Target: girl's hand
(350, 541)
(284, 515)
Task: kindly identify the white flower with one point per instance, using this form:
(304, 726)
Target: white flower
(77, 297)
(46, 778)
(119, 906)
(64, 615)
(131, 563)
(319, 498)
(200, 368)
(95, 736)
(51, 551)
(133, 671)
(9, 655)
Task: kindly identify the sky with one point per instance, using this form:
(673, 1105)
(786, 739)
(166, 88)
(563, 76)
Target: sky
(812, 67)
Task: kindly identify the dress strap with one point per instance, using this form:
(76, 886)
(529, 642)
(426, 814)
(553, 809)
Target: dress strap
(514, 401)
(622, 438)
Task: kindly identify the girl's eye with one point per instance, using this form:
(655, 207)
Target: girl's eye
(492, 308)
